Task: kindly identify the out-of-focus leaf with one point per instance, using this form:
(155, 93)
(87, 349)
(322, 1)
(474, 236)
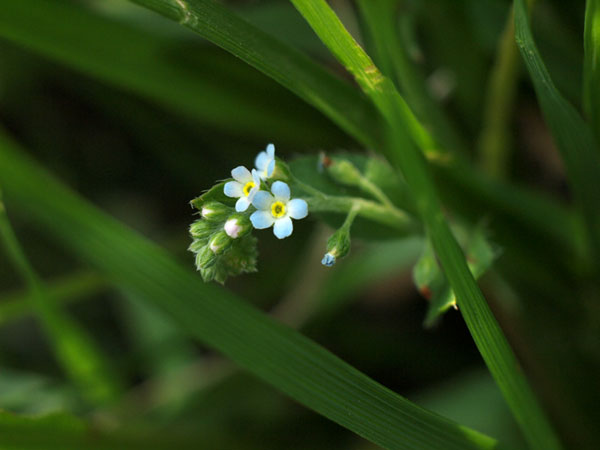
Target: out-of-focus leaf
(573, 137)
(174, 72)
(591, 67)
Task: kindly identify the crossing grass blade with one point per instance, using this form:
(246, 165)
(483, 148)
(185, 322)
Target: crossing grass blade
(481, 323)
(573, 137)
(273, 352)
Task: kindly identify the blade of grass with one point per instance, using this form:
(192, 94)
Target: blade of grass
(481, 323)
(573, 137)
(591, 66)
(74, 349)
(292, 69)
(495, 138)
(271, 351)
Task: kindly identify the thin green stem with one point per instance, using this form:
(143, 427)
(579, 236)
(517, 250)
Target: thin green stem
(370, 187)
(494, 141)
(385, 213)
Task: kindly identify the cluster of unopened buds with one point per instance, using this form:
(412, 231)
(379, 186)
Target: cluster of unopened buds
(221, 239)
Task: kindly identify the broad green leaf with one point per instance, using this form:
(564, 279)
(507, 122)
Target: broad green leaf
(273, 352)
(573, 137)
(401, 150)
(591, 67)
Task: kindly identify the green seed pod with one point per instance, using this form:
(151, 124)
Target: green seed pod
(215, 211)
(219, 243)
(205, 258)
(237, 226)
(202, 229)
(338, 246)
(343, 171)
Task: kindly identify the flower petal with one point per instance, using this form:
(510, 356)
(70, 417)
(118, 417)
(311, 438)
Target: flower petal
(233, 189)
(281, 190)
(261, 161)
(271, 150)
(283, 227)
(256, 177)
(241, 174)
(242, 204)
(270, 168)
(262, 200)
(261, 219)
(297, 208)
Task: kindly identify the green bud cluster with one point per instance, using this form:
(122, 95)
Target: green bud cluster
(221, 241)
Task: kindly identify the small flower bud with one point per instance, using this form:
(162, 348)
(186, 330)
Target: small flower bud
(328, 260)
(215, 211)
(343, 171)
(205, 258)
(237, 225)
(338, 246)
(201, 229)
(219, 242)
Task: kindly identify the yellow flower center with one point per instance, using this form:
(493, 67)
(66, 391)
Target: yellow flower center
(248, 187)
(278, 209)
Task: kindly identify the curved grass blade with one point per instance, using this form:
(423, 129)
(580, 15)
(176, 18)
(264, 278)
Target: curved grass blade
(336, 99)
(174, 72)
(573, 137)
(481, 323)
(271, 351)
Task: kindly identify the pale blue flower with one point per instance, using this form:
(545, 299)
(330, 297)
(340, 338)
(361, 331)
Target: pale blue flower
(328, 260)
(265, 162)
(245, 187)
(276, 209)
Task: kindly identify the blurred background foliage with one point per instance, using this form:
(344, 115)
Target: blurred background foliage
(139, 116)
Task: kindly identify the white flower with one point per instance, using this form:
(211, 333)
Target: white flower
(277, 209)
(265, 162)
(245, 186)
